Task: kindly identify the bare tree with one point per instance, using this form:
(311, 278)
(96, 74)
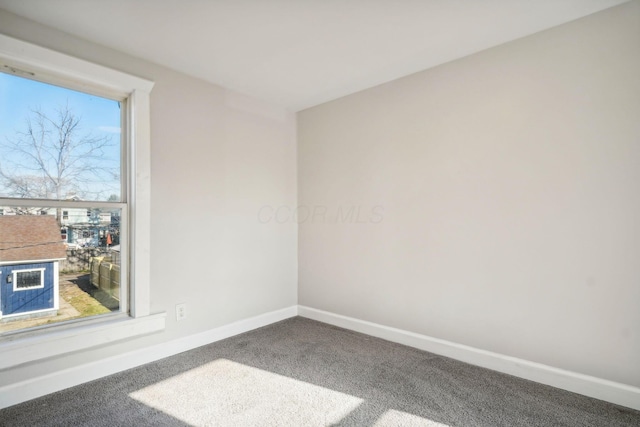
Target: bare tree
(52, 159)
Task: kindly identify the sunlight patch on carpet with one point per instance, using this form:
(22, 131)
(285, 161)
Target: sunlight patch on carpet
(226, 393)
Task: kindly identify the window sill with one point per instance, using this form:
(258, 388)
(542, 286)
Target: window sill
(21, 349)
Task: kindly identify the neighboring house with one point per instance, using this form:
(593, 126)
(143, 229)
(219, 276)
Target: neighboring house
(80, 227)
(30, 250)
(85, 227)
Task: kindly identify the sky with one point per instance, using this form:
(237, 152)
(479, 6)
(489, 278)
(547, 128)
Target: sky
(99, 116)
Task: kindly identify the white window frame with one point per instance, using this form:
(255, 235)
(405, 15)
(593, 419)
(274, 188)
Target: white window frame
(27, 270)
(67, 71)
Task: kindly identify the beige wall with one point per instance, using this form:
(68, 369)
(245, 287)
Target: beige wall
(491, 201)
(217, 157)
(498, 200)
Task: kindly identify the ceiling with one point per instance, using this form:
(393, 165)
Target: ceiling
(300, 53)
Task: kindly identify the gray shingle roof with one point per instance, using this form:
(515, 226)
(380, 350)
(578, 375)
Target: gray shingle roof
(30, 238)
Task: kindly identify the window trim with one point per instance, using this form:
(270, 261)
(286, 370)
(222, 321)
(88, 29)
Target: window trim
(67, 71)
(27, 270)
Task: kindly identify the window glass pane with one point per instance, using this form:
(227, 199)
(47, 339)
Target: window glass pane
(28, 279)
(57, 143)
(64, 266)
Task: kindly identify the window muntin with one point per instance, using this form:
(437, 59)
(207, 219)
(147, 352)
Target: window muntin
(28, 279)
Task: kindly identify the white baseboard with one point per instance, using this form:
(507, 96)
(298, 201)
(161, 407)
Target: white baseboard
(620, 394)
(609, 391)
(13, 394)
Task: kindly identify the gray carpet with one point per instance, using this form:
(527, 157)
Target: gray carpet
(304, 373)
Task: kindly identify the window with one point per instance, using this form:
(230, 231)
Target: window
(63, 148)
(28, 279)
(118, 193)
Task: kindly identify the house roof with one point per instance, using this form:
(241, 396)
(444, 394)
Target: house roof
(30, 238)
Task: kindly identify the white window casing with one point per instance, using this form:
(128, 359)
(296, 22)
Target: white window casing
(16, 273)
(39, 63)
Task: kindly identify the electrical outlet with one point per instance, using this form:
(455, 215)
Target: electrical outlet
(181, 311)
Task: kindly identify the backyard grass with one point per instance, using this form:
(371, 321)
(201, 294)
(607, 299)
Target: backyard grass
(78, 298)
(84, 297)
(87, 306)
